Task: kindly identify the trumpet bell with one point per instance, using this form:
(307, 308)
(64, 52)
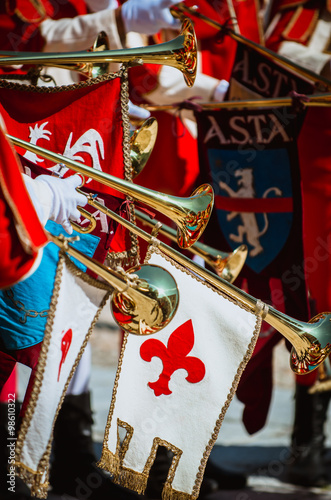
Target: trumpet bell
(144, 317)
(191, 221)
(229, 267)
(318, 345)
(142, 143)
(94, 70)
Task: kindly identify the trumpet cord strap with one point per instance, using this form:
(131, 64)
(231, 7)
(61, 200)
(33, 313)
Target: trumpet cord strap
(261, 309)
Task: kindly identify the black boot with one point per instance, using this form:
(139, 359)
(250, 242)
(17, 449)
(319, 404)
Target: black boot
(306, 465)
(225, 478)
(74, 471)
(11, 486)
(215, 477)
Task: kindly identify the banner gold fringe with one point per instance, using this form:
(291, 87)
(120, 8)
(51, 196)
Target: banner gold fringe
(136, 481)
(168, 493)
(109, 462)
(33, 480)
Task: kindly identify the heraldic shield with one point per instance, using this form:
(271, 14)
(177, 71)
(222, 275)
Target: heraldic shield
(253, 201)
(250, 158)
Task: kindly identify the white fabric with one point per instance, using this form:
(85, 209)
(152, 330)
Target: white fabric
(80, 382)
(80, 32)
(96, 5)
(58, 198)
(187, 417)
(220, 91)
(76, 307)
(148, 16)
(138, 113)
(42, 211)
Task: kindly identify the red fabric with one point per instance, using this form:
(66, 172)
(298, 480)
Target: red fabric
(20, 19)
(301, 29)
(314, 153)
(267, 205)
(15, 262)
(28, 357)
(217, 55)
(292, 27)
(174, 357)
(74, 119)
(16, 211)
(13, 188)
(10, 388)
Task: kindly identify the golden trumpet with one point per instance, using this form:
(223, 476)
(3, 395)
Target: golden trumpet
(145, 299)
(180, 53)
(142, 142)
(226, 265)
(311, 342)
(191, 214)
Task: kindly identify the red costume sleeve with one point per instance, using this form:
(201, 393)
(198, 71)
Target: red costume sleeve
(21, 234)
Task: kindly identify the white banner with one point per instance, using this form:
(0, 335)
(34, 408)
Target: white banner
(76, 303)
(174, 387)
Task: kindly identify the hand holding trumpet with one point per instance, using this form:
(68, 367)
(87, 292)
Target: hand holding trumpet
(56, 199)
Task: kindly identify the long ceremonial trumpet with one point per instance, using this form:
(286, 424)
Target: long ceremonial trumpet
(180, 53)
(226, 265)
(311, 341)
(180, 10)
(191, 214)
(143, 302)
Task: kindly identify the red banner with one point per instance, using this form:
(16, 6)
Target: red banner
(82, 122)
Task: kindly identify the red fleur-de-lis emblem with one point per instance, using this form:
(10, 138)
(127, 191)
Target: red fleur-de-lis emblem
(65, 345)
(174, 357)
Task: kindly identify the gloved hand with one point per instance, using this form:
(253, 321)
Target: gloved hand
(57, 199)
(220, 91)
(148, 16)
(138, 113)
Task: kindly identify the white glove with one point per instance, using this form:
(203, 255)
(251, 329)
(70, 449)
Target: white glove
(148, 16)
(220, 91)
(138, 113)
(56, 199)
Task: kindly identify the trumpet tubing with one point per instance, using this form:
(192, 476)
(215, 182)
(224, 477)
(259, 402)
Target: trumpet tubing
(191, 214)
(226, 265)
(142, 303)
(180, 53)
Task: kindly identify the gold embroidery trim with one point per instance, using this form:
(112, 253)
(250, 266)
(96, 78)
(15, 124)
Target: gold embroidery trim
(62, 88)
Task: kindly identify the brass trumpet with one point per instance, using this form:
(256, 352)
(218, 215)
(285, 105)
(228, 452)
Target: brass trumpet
(180, 53)
(191, 214)
(143, 302)
(226, 265)
(311, 342)
(142, 143)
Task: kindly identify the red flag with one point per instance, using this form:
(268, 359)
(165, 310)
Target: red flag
(82, 122)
